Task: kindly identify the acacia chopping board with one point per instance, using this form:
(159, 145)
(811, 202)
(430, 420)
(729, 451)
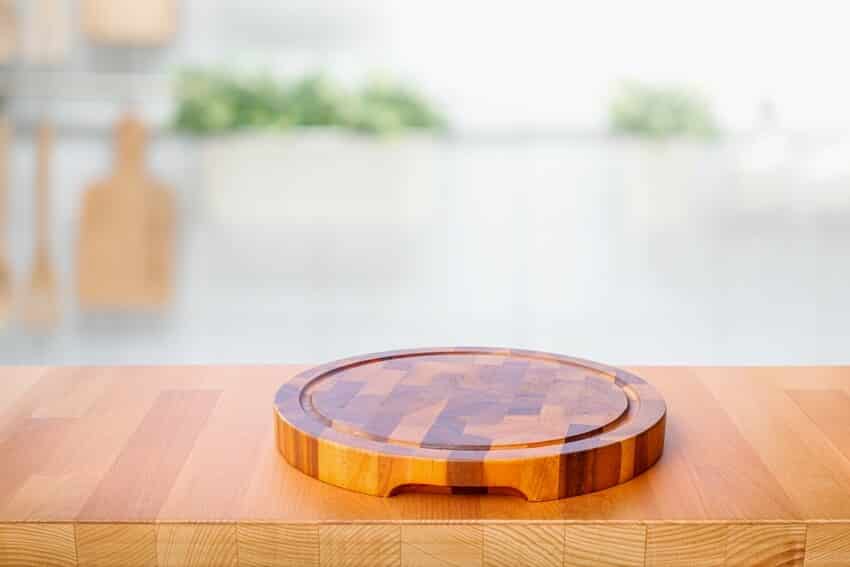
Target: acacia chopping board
(126, 241)
(470, 420)
(130, 22)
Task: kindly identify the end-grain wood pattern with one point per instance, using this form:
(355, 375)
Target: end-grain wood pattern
(196, 545)
(828, 545)
(128, 545)
(178, 465)
(470, 419)
(281, 545)
(365, 545)
(771, 545)
(440, 546)
(686, 545)
(37, 545)
(604, 545)
(533, 545)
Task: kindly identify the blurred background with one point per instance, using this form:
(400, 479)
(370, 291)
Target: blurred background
(202, 181)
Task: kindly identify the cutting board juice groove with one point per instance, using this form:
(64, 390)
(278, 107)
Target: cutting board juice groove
(470, 420)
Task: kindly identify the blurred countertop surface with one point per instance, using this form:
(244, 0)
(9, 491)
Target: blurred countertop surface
(574, 247)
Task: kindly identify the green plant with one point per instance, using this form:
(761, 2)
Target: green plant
(215, 101)
(384, 106)
(212, 101)
(660, 112)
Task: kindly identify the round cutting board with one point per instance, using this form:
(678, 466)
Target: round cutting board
(467, 420)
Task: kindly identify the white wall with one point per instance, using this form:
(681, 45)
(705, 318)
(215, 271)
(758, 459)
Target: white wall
(531, 65)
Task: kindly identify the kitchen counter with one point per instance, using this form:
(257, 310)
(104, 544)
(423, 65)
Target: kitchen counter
(178, 465)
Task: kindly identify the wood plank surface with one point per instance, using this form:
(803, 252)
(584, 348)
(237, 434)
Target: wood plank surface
(808, 467)
(178, 466)
(142, 476)
(830, 411)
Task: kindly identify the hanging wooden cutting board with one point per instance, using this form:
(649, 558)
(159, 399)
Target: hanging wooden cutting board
(130, 22)
(126, 232)
(8, 30)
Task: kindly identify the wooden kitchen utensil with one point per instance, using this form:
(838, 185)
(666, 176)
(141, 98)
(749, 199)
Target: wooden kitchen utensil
(41, 310)
(470, 420)
(130, 22)
(5, 269)
(8, 30)
(126, 232)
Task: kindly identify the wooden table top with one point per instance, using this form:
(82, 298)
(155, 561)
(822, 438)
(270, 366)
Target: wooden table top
(197, 444)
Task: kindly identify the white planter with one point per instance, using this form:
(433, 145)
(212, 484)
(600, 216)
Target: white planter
(664, 183)
(319, 177)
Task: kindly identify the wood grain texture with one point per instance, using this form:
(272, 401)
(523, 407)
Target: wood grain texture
(683, 545)
(142, 476)
(604, 545)
(830, 411)
(768, 545)
(193, 444)
(369, 545)
(128, 545)
(470, 419)
(191, 451)
(809, 469)
(532, 545)
(28, 452)
(37, 545)
(196, 545)
(442, 545)
(282, 545)
(701, 451)
(828, 545)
